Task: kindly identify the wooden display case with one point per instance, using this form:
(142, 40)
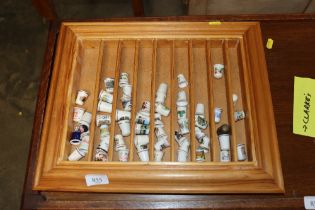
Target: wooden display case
(152, 53)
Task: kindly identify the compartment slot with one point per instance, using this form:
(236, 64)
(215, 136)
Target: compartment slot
(109, 54)
(163, 74)
(86, 72)
(200, 86)
(134, 77)
(191, 106)
(181, 65)
(216, 54)
(228, 81)
(126, 65)
(144, 83)
(172, 106)
(214, 145)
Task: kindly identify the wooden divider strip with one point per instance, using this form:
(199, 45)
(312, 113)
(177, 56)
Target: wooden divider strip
(230, 111)
(134, 100)
(152, 100)
(172, 94)
(214, 149)
(95, 102)
(191, 103)
(115, 99)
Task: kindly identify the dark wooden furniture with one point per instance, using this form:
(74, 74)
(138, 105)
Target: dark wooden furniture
(292, 55)
(46, 8)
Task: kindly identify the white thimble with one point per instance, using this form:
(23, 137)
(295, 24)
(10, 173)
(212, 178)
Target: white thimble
(241, 152)
(87, 118)
(158, 155)
(104, 107)
(224, 140)
(75, 155)
(124, 126)
(205, 143)
(182, 155)
(81, 97)
(78, 113)
(106, 96)
(146, 106)
(161, 93)
(122, 115)
(225, 156)
(141, 140)
(234, 98)
(123, 155)
(182, 82)
(218, 70)
(181, 98)
(200, 109)
(161, 109)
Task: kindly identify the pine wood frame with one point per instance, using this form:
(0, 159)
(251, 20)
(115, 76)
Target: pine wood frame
(261, 175)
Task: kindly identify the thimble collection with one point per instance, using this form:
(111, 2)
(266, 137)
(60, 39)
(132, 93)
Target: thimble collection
(82, 119)
(80, 137)
(162, 141)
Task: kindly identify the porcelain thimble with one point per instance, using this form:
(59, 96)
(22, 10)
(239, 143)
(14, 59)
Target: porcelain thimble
(109, 84)
(141, 140)
(181, 98)
(124, 126)
(104, 107)
(239, 115)
(161, 93)
(122, 115)
(241, 152)
(183, 125)
(104, 130)
(158, 155)
(101, 155)
(81, 97)
(78, 113)
(218, 71)
(182, 82)
(200, 109)
(106, 96)
(225, 156)
(201, 122)
(123, 155)
(145, 106)
(75, 155)
(182, 155)
(217, 114)
(161, 109)
(181, 112)
(123, 79)
(87, 118)
(102, 119)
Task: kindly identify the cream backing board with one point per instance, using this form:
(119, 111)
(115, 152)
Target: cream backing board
(152, 53)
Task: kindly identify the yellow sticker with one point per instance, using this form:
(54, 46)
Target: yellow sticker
(304, 106)
(215, 23)
(269, 44)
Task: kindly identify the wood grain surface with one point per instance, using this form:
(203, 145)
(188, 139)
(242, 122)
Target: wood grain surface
(289, 57)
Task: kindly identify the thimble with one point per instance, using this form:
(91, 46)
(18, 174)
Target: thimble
(109, 84)
(75, 138)
(78, 113)
(127, 105)
(239, 115)
(161, 143)
(235, 99)
(106, 96)
(122, 115)
(241, 152)
(161, 109)
(127, 90)
(182, 82)
(104, 107)
(81, 97)
(200, 155)
(75, 155)
(84, 146)
(101, 155)
(141, 129)
(179, 137)
(181, 98)
(104, 143)
(86, 118)
(161, 93)
(205, 141)
(104, 130)
(123, 155)
(224, 140)
(143, 153)
(225, 156)
(224, 129)
(102, 119)
(200, 109)
(158, 123)
(141, 140)
(146, 106)
(181, 112)
(201, 122)
(143, 118)
(185, 145)
(217, 114)
(199, 134)
(218, 70)
(157, 116)
(158, 155)
(119, 142)
(183, 125)
(182, 155)
(124, 126)
(123, 79)
(159, 131)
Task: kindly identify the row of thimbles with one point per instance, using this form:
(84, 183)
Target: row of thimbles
(142, 130)
(103, 121)
(162, 141)
(80, 136)
(202, 138)
(182, 120)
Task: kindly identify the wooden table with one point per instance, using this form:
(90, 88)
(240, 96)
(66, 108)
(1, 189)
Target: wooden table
(293, 54)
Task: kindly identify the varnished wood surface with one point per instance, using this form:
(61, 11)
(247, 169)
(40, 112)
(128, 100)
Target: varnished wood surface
(290, 56)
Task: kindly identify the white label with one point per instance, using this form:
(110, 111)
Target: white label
(309, 202)
(96, 179)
